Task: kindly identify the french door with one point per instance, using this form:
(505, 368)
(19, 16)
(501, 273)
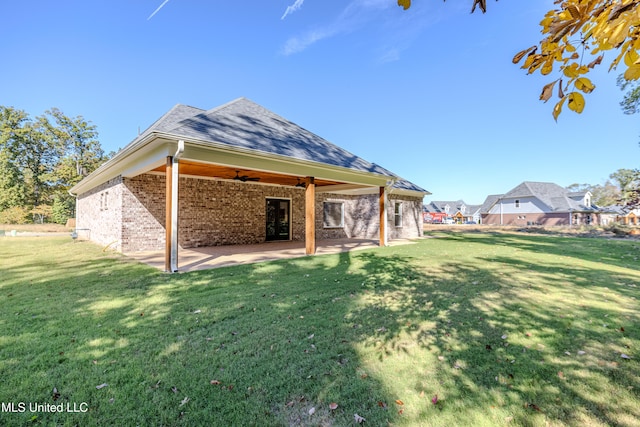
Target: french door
(278, 219)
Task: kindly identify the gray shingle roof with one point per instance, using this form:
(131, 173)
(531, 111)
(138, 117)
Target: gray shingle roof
(245, 124)
(555, 197)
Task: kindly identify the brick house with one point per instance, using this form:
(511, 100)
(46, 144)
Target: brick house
(540, 203)
(239, 174)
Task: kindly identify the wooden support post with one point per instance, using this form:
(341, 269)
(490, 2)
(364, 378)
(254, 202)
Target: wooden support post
(310, 216)
(168, 187)
(383, 218)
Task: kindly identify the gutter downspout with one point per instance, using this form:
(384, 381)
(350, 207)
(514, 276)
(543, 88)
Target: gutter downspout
(175, 175)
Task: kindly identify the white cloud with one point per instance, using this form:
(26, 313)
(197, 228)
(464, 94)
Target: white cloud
(298, 44)
(355, 15)
(158, 9)
(290, 9)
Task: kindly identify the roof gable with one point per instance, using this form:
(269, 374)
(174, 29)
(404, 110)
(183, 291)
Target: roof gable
(555, 197)
(245, 125)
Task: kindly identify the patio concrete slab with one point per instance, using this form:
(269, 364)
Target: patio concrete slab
(221, 256)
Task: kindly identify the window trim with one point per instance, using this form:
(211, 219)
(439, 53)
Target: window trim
(398, 213)
(325, 224)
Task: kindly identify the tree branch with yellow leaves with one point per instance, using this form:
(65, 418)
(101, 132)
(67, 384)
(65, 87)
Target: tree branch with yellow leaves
(577, 35)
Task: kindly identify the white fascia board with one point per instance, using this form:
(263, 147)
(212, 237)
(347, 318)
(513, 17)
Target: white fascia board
(133, 160)
(151, 152)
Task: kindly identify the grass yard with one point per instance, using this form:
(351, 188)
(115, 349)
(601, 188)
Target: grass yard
(505, 329)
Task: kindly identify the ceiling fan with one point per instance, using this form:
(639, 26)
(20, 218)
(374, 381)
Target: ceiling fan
(244, 178)
(301, 184)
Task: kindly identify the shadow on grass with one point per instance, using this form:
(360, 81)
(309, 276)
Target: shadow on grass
(378, 332)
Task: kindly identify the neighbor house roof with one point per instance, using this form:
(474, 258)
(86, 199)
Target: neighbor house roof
(439, 206)
(247, 126)
(555, 197)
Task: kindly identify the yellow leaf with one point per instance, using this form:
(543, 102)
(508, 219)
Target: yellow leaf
(571, 71)
(405, 4)
(547, 67)
(585, 85)
(557, 109)
(547, 91)
(633, 72)
(631, 57)
(570, 48)
(576, 102)
(518, 56)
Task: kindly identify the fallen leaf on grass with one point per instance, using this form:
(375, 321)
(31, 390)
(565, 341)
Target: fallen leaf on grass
(358, 418)
(399, 402)
(580, 352)
(532, 406)
(174, 389)
(103, 385)
(312, 411)
(333, 406)
(434, 399)
(624, 356)
(504, 337)
(184, 401)
(382, 405)
(214, 382)
(56, 395)
(560, 375)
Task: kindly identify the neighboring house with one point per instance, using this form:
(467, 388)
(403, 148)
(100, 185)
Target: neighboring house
(239, 174)
(620, 214)
(540, 203)
(437, 211)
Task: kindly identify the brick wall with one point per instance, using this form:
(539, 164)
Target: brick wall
(224, 213)
(411, 217)
(99, 214)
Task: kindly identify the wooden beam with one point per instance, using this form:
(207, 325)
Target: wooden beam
(383, 217)
(310, 216)
(168, 186)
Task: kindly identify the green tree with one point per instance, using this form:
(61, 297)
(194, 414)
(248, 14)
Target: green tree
(606, 195)
(627, 180)
(83, 153)
(42, 158)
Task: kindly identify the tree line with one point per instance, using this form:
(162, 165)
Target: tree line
(41, 158)
(622, 188)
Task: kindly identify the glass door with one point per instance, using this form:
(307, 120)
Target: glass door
(278, 214)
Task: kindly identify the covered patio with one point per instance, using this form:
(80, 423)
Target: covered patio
(238, 176)
(205, 258)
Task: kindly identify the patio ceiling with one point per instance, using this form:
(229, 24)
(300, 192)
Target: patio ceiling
(191, 168)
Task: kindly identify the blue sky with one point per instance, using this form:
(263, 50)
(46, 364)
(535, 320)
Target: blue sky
(429, 93)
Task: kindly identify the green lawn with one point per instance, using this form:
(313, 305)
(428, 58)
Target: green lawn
(506, 329)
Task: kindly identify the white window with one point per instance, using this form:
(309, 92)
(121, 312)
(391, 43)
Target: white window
(397, 214)
(333, 215)
(104, 200)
